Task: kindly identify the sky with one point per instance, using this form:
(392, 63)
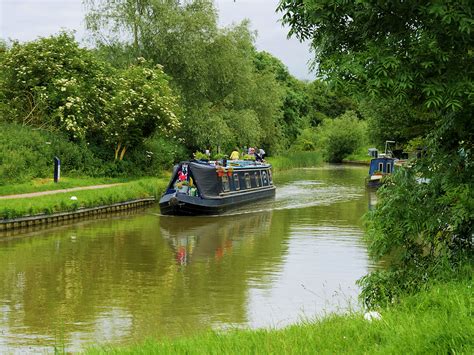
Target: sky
(25, 20)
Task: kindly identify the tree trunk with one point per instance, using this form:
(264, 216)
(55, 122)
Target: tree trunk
(123, 153)
(117, 150)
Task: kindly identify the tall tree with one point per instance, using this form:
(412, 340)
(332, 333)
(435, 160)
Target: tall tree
(420, 54)
(212, 68)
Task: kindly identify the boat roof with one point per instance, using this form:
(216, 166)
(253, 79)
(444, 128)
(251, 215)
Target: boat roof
(234, 164)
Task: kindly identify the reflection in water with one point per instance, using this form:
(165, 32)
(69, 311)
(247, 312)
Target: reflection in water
(204, 237)
(130, 277)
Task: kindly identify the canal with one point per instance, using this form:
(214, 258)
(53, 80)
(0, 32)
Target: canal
(122, 279)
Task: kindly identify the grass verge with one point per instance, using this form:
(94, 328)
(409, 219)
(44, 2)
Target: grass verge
(359, 156)
(61, 202)
(292, 160)
(38, 185)
(437, 321)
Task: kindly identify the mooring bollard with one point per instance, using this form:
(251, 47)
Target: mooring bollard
(57, 169)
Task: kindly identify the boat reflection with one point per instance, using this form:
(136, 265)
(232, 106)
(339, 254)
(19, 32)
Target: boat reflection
(194, 238)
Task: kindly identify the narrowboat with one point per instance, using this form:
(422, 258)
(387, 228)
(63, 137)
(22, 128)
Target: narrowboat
(206, 188)
(381, 165)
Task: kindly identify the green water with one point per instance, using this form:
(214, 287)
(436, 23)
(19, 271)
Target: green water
(122, 279)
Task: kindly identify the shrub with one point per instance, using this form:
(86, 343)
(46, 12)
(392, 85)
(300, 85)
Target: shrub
(27, 153)
(306, 141)
(342, 136)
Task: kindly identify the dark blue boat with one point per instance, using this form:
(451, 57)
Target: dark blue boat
(379, 168)
(199, 187)
(381, 165)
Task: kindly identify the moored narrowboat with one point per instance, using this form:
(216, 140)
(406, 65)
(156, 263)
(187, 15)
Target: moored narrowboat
(382, 165)
(200, 187)
(379, 168)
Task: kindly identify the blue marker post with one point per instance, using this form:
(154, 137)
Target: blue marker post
(57, 169)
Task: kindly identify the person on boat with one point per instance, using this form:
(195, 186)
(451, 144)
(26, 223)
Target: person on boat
(262, 153)
(235, 154)
(257, 156)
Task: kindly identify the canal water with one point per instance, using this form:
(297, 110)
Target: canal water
(125, 278)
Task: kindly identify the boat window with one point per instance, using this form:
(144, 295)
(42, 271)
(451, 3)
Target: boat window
(225, 183)
(248, 185)
(264, 178)
(270, 176)
(257, 179)
(389, 168)
(381, 167)
(236, 182)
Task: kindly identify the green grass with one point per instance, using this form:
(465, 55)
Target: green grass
(292, 160)
(438, 321)
(38, 185)
(360, 156)
(61, 202)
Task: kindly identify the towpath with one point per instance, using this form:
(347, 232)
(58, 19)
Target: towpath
(52, 192)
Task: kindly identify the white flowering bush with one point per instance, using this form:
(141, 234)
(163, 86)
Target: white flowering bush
(142, 104)
(52, 82)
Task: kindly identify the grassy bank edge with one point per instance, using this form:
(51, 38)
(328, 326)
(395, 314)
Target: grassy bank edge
(48, 184)
(292, 160)
(61, 202)
(435, 321)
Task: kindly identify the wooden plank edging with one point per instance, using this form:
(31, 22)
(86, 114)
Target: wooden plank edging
(21, 222)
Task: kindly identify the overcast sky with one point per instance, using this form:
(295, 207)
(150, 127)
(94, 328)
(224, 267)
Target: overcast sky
(25, 20)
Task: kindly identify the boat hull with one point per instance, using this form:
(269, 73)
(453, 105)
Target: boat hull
(182, 204)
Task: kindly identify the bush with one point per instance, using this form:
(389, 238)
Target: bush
(306, 141)
(424, 230)
(28, 154)
(340, 137)
(156, 154)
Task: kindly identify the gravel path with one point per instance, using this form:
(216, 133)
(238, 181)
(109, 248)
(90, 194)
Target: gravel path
(52, 192)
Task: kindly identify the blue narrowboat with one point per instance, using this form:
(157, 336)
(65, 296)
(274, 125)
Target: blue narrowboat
(380, 167)
(206, 188)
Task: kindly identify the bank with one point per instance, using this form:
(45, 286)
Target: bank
(69, 204)
(434, 321)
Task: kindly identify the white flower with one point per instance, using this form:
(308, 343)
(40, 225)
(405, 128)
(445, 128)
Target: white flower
(369, 316)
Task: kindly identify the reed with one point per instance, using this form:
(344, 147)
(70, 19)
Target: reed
(292, 160)
(61, 202)
(431, 322)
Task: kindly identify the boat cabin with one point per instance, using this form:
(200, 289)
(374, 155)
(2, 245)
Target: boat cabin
(202, 187)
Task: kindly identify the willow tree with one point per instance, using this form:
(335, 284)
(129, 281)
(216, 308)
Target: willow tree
(420, 54)
(212, 68)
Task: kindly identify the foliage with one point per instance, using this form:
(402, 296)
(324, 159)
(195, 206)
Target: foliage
(340, 137)
(291, 160)
(142, 104)
(53, 83)
(29, 154)
(326, 101)
(226, 100)
(306, 141)
(411, 52)
(418, 55)
(200, 156)
(387, 120)
(422, 242)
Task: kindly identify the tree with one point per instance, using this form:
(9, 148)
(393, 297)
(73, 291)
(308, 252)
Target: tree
(142, 103)
(419, 54)
(341, 136)
(212, 68)
(53, 83)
